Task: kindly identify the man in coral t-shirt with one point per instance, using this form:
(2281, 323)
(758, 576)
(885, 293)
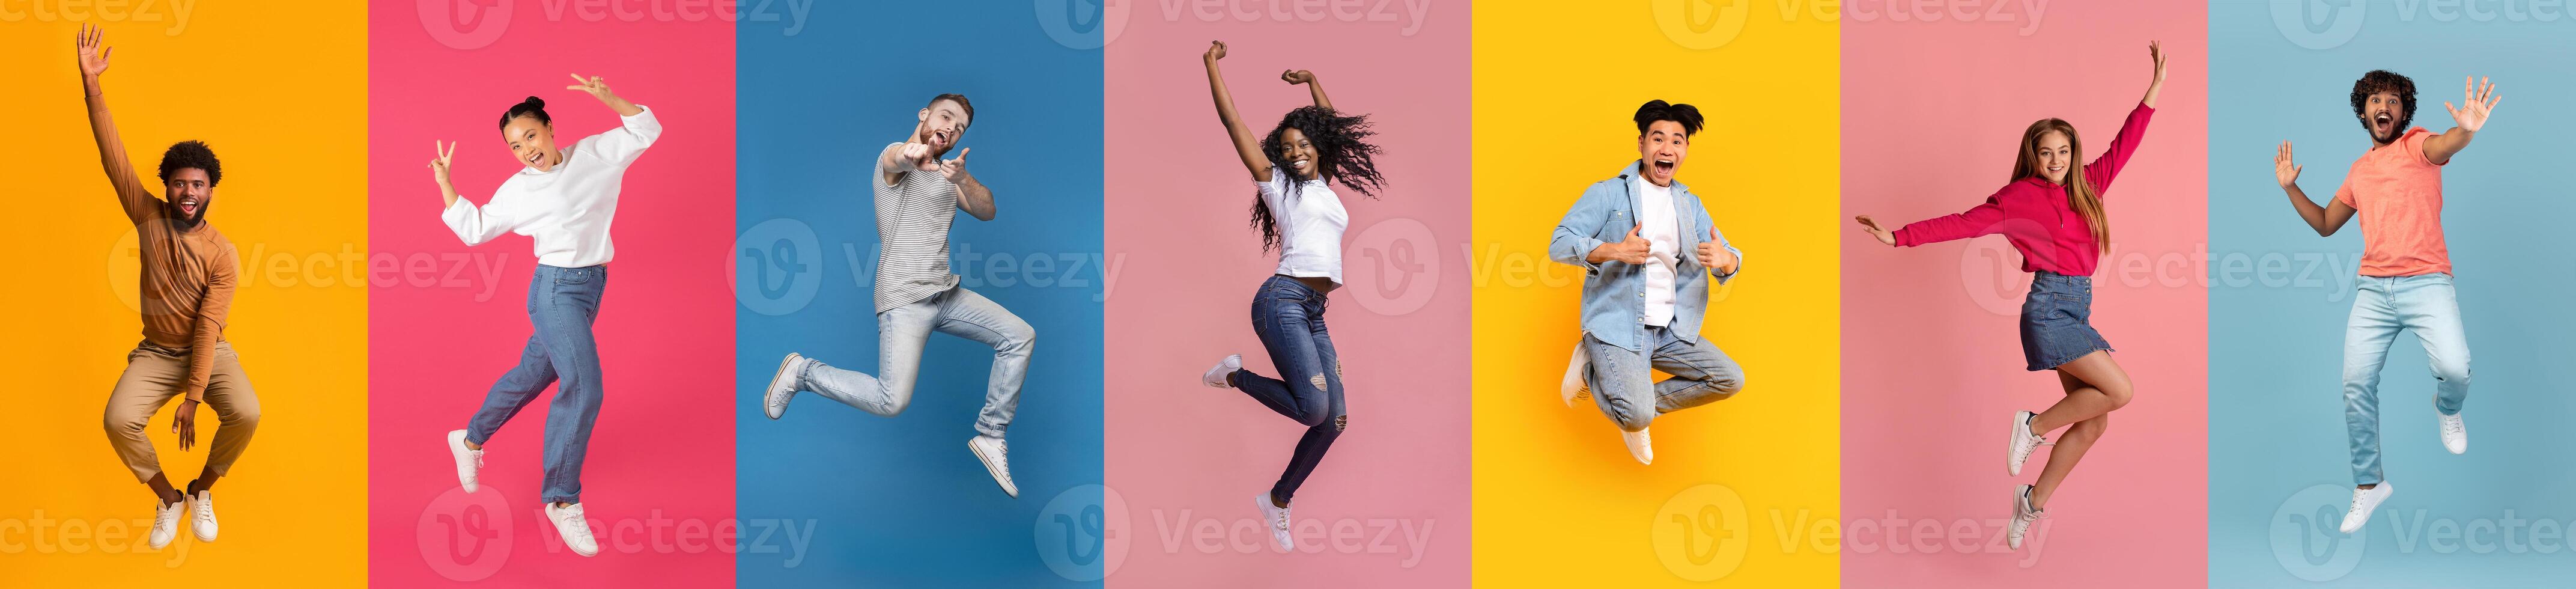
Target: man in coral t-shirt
(2405, 282)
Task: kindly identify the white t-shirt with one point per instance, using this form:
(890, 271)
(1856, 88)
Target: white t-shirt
(1310, 226)
(1660, 224)
(566, 209)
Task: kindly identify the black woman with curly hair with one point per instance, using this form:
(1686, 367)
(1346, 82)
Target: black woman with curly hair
(1294, 169)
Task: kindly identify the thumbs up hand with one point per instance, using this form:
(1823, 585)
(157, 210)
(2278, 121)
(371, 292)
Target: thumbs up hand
(1633, 250)
(1714, 255)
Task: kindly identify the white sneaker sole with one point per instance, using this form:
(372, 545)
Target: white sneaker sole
(992, 470)
(2014, 435)
(766, 395)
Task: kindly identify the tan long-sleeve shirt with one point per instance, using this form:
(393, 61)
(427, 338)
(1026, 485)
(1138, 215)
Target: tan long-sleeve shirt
(188, 274)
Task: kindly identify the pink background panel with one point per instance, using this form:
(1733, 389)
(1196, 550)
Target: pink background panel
(1177, 207)
(660, 465)
(1932, 364)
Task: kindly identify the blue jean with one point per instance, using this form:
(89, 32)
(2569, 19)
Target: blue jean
(1289, 318)
(562, 304)
(2425, 304)
(1623, 383)
(901, 333)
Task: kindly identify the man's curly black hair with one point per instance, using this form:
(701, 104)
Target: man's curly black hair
(1345, 156)
(2378, 81)
(191, 154)
(1658, 110)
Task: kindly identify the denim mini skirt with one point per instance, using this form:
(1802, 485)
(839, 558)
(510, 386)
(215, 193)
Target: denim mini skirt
(2057, 320)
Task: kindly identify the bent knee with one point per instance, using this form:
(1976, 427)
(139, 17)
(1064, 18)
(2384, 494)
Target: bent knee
(2090, 429)
(126, 426)
(1632, 422)
(2451, 370)
(241, 417)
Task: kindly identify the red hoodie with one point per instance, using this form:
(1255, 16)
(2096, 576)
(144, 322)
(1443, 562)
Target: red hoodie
(2034, 213)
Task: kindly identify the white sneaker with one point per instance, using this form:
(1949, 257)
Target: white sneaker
(2363, 502)
(1216, 376)
(2023, 516)
(165, 523)
(574, 530)
(1574, 386)
(468, 460)
(997, 460)
(1277, 517)
(1639, 445)
(783, 386)
(2455, 433)
(204, 510)
(2023, 442)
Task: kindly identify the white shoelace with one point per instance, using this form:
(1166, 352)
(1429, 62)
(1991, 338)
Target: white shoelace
(580, 525)
(1002, 454)
(2359, 496)
(1283, 520)
(2452, 425)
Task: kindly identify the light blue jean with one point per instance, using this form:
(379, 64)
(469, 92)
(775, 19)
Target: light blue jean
(2423, 304)
(901, 333)
(1623, 384)
(562, 304)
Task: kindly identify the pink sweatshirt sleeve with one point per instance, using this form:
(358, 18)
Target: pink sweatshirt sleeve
(2116, 155)
(1984, 219)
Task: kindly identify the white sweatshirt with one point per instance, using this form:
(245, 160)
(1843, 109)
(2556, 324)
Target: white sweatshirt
(566, 209)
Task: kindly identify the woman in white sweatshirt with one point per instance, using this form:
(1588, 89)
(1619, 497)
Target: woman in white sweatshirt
(564, 197)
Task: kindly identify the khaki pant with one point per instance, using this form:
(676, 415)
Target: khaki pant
(153, 376)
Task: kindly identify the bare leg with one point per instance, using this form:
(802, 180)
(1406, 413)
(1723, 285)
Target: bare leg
(161, 489)
(2070, 448)
(2106, 388)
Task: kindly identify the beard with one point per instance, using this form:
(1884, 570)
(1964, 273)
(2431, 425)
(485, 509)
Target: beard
(186, 221)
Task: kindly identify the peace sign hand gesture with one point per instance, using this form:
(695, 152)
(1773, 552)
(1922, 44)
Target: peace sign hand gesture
(596, 86)
(442, 154)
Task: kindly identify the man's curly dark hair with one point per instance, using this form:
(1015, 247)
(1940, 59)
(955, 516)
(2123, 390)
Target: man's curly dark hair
(1345, 156)
(2378, 81)
(191, 154)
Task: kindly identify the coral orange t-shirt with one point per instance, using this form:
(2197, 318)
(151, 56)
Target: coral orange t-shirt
(2399, 196)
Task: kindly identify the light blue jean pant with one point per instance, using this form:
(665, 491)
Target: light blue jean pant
(1624, 388)
(562, 304)
(901, 333)
(2424, 304)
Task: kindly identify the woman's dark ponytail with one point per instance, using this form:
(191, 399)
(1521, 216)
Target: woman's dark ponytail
(532, 107)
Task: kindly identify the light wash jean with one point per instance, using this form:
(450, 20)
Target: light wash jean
(1623, 385)
(901, 333)
(562, 304)
(2424, 304)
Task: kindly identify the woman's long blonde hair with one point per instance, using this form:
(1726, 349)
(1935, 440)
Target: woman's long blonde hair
(2080, 193)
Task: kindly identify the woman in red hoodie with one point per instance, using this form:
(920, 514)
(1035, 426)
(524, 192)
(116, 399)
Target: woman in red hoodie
(2055, 219)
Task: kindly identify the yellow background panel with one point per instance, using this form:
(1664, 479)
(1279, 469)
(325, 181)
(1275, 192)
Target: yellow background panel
(278, 89)
(1739, 488)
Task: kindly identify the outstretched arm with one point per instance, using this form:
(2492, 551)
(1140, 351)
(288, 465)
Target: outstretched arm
(1246, 145)
(637, 127)
(2481, 98)
(131, 195)
(2326, 220)
(1313, 86)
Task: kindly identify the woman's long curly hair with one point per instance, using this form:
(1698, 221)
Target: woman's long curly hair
(1346, 156)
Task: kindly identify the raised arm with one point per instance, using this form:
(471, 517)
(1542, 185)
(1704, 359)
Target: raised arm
(2324, 219)
(637, 127)
(2156, 85)
(1313, 86)
(1246, 145)
(131, 194)
(2133, 130)
(2481, 99)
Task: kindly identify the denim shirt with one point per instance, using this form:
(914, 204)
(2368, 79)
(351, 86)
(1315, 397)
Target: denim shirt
(1614, 292)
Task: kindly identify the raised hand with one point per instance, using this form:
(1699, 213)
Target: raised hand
(1216, 51)
(1871, 226)
(2283, 169)
(955, 169)
(93, 57)
(1297, 76)
(2481, 100)
(442, 154)
(595, 86)
(2156, 86)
